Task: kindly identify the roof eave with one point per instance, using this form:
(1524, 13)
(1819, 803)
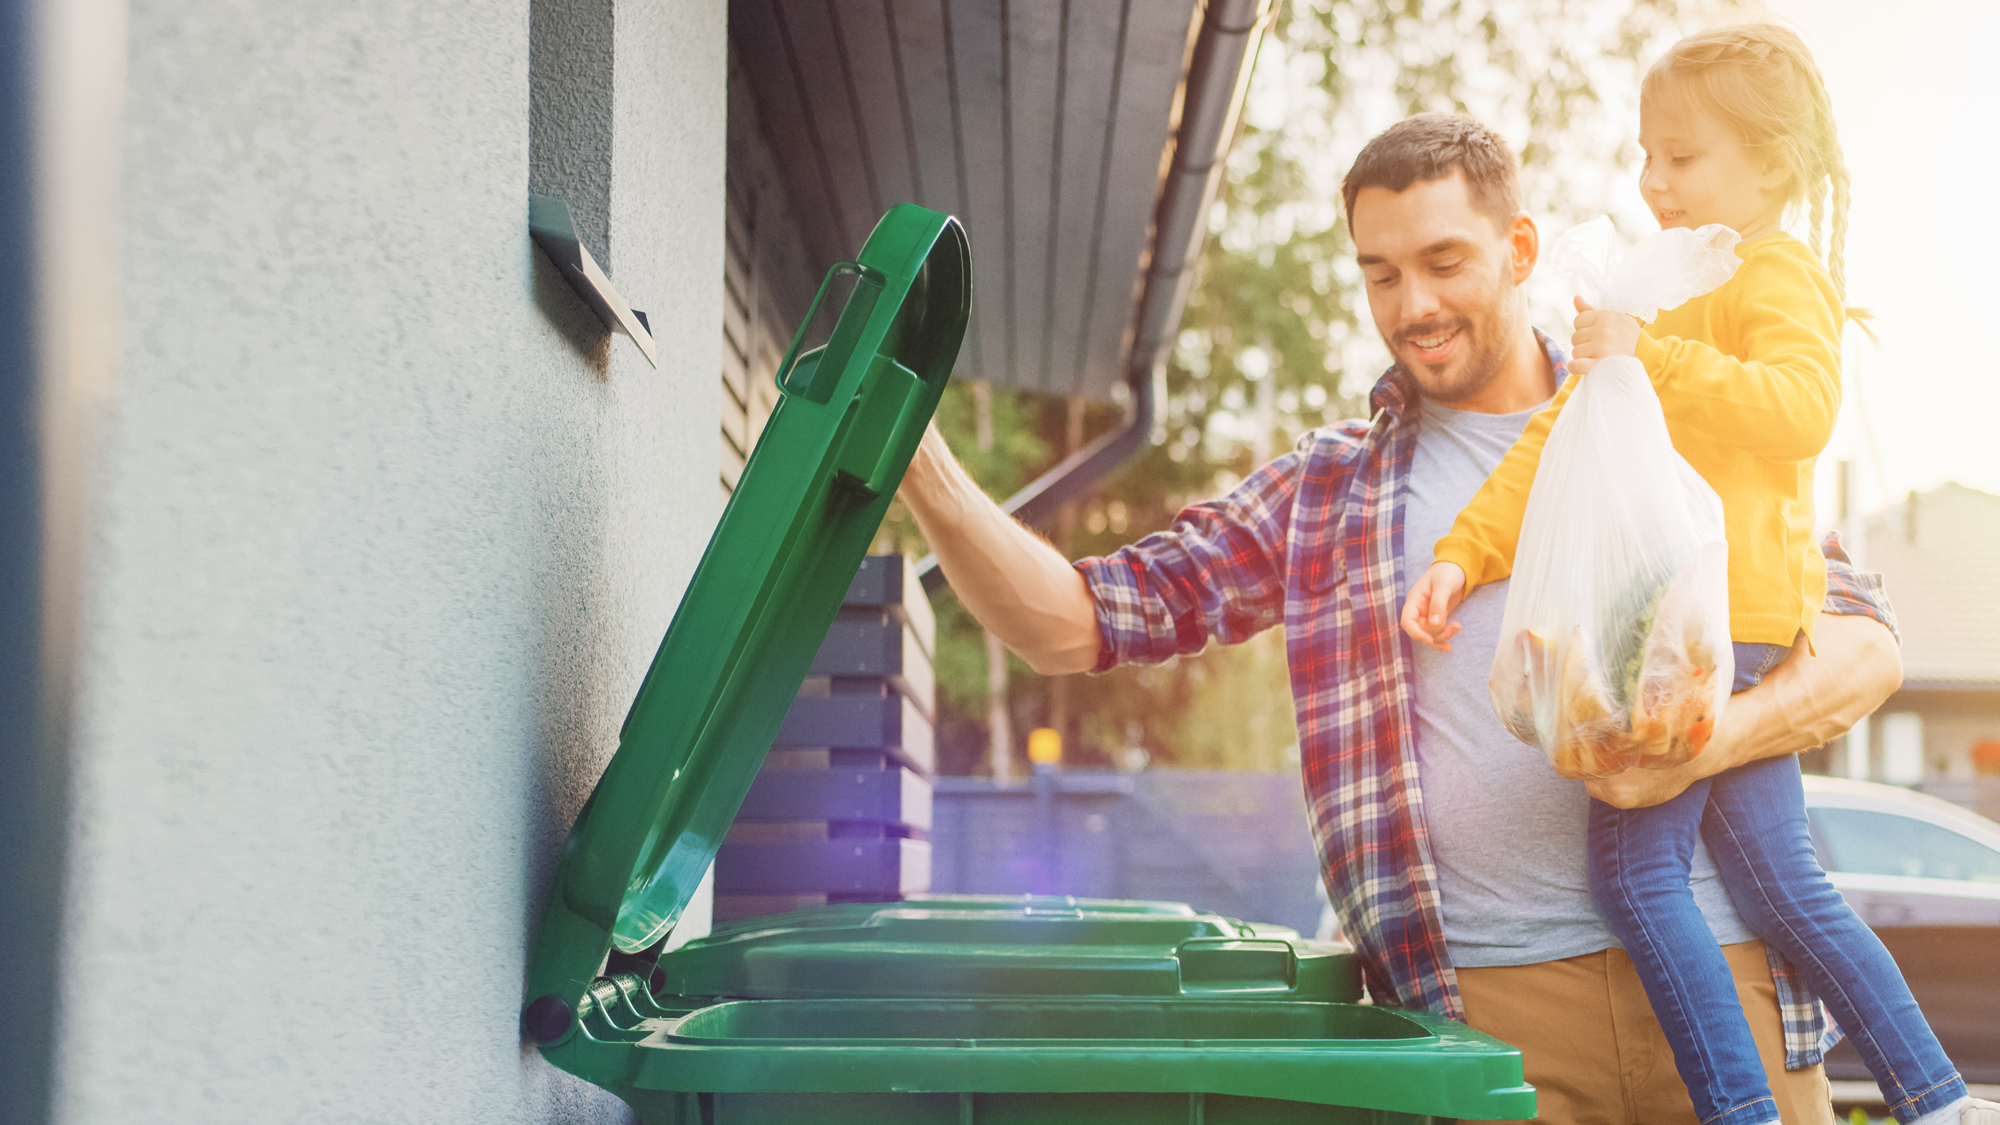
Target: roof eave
(1210, 102)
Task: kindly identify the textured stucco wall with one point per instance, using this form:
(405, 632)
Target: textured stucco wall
(386, 534)
(571, 115)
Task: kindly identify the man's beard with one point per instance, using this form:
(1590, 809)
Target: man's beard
(1483, 352)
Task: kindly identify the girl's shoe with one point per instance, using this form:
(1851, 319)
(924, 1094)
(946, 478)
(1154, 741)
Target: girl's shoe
(1964, 1111)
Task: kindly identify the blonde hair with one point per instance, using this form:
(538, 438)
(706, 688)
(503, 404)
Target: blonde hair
(1760, 79)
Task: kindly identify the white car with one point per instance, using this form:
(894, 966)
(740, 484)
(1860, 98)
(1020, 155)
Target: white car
(1904, 858)
(1925, 875)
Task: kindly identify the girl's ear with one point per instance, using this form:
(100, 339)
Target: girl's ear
(1775, 176)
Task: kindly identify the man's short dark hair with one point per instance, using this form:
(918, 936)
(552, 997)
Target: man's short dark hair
(1431, 146)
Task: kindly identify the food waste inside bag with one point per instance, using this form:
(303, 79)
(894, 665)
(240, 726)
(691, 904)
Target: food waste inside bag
(1643, 692)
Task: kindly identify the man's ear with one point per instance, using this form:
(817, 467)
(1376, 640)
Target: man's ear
(1524, 243)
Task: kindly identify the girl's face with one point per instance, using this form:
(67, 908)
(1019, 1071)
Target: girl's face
(1698, 172)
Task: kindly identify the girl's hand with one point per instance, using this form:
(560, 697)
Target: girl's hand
(1599, 334)
(1431, 601)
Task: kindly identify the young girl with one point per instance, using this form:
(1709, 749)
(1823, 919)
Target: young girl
(1737, 129)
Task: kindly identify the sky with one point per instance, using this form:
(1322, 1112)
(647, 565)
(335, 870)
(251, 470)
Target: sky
(1917, 96)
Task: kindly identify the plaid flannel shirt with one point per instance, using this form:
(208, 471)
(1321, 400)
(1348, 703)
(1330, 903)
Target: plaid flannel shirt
(1314, 541)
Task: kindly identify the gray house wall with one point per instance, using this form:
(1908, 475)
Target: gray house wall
(386, 532)
(1934, 551)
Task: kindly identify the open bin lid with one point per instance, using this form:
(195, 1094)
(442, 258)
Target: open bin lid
(790, 540)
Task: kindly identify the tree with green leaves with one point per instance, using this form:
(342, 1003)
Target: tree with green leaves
(1276, 340)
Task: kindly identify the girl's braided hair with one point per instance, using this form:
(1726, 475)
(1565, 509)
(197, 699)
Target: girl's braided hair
(1761, 79)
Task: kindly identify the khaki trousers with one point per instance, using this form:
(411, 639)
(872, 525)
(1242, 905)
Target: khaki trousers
(1595, 1054)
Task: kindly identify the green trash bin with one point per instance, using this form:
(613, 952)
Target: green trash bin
(951, 1009)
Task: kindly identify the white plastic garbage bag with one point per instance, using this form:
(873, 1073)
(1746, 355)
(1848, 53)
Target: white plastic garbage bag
(1661, 271)
(1614, 645)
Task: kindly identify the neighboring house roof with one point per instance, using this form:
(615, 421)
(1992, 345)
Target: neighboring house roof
(1043, 132)
(1939, 553)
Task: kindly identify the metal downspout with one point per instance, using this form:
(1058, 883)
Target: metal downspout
(32, 784)
(62, 86)
(1218, 77)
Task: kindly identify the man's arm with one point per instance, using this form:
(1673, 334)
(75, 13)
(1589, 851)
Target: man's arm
(1010, 579)
(1801, 704)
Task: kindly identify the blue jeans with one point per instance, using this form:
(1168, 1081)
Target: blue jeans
(1753, 819)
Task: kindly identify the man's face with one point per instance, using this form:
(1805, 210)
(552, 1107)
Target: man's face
(1442, 282)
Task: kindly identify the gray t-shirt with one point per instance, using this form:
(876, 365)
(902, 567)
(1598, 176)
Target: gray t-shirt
(1507, 834)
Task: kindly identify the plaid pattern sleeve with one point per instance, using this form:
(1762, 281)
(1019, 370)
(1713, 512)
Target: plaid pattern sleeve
(1809, 1031)
(1851, 592)
(1217, 574)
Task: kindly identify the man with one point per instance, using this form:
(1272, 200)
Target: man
(1452, 853)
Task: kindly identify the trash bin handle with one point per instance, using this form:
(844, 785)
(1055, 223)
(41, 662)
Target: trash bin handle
(863, 275)
(1247, 965)
(1268, 945)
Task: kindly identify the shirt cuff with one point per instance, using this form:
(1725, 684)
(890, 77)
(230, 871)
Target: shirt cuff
(1453, 549)
(1653, 355)
(1855, 593)
(1102, 576)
